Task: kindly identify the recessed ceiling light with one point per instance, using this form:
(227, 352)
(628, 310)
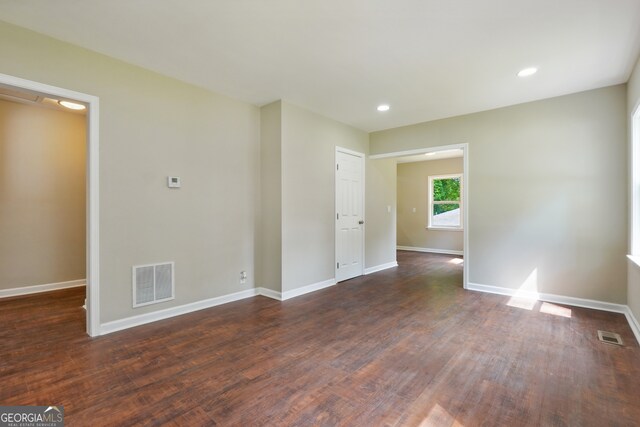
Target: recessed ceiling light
(527, 72)
(383, 107)
(72, 105)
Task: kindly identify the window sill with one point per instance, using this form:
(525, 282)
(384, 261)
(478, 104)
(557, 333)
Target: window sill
(445, 228)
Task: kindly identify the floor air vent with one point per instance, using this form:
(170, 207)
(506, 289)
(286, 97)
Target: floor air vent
(152, 283)
(610, 338)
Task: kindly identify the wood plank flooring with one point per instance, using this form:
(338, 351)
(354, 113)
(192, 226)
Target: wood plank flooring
(405, 346)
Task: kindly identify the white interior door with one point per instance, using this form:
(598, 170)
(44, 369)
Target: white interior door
(349, 214)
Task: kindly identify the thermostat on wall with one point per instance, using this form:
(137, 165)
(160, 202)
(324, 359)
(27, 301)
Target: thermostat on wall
(173, 181)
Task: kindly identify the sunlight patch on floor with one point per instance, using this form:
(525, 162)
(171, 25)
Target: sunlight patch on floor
(554, 309)
(438, 416)
(525, 303)
(526, 296)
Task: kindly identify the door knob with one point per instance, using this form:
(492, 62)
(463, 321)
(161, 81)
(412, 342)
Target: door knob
(361, 222)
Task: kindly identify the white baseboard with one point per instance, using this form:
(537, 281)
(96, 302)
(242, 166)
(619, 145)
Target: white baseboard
(380, 267)
(558, 299)
(429, 250)
(270, 293)
(307, 289)
(142, 319)
(27, 290)
(633, 323)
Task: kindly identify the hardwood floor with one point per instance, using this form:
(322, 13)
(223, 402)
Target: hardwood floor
(405, 346)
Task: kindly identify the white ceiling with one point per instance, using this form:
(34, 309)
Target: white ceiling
(428, 59)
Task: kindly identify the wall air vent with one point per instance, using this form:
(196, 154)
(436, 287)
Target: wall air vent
(153, 283)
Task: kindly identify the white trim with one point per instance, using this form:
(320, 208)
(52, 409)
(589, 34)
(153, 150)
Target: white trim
(307, 289)
(633, 323)
(634, 185)
(335, 206)
(465, 193)
(431, 202)
(465, 216)
(348, 151)
(430, 250)
(380, 267)
(142, 319)
(282, 296)
(461, 146)
(270, 293)
(27, 290)
(154, 316)
(561, 299)
(558, 299)
(93, 219)
(93, 188)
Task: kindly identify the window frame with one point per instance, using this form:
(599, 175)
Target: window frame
(431, 203)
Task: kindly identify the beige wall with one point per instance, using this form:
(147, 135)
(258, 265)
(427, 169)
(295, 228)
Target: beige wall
(308, 193)
(633, 281)
(550, 161)
(538, 173)
(152, 126)
(380, 224)
(42, 195)
(413, 192)
(298, 197)
(270, 256)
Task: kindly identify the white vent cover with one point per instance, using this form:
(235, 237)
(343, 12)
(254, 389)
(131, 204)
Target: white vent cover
(152, 283)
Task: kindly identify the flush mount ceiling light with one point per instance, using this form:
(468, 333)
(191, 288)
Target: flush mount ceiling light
(383, 107)
(433, 153)
(72, 105)
(526, 72)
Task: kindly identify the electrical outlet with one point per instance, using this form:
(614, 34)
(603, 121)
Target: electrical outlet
(243, 277)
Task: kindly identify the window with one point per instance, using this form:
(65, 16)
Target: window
(445, 202)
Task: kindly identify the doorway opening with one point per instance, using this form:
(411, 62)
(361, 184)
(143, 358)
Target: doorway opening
(432, 202)
(25, 92)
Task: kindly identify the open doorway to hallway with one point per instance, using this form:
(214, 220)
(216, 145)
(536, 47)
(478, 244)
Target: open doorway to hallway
(43, 195)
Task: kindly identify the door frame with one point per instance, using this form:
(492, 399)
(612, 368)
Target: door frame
(335, 206)
(465, 193)
(92, 189)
